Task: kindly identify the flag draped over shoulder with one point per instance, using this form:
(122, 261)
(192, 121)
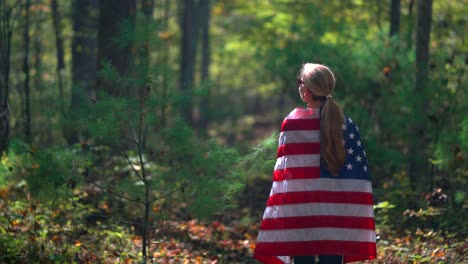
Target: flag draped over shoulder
(309, 212)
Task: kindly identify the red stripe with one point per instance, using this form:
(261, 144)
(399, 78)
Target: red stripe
(299, 148)
(320, 197)
(318, 222)
(300, 124)
(353, 251)
(269, 259)
(296, 173)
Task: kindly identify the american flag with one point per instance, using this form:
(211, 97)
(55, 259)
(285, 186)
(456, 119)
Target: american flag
(309, 212)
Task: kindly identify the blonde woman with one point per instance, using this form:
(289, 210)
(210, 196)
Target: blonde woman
(320, 208)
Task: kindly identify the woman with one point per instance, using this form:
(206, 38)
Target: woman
(320, 208)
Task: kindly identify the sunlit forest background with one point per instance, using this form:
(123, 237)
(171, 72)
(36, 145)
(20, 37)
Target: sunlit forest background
(146, 131)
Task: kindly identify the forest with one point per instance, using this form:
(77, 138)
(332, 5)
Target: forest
(146, 131)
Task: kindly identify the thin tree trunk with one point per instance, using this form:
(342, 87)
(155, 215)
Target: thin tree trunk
(165, 62)
(147, 8)
(112, 15)
(37, 56)
(60, 52)
(84, 61)
(27, 125)
(205, 10)
(418, 157)
(409, 37)
(188, 50)
(8, 12)
(395, 18)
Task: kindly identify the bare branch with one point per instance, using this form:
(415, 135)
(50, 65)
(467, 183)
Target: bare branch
(115, 194)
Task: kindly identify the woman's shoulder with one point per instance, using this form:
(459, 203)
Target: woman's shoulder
(304, 113)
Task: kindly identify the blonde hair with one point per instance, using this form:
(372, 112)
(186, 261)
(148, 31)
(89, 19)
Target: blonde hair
(320, 81)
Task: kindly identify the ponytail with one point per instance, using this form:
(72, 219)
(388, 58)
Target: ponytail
(331, 125)
(320, 81)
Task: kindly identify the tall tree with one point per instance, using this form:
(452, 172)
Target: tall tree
(147, 8)
(37, 47)
(114, 16)
(164, 51)
(8, 14)
(27, 103)
(205, 11)
(84, 59)
(410, 29)
(417, 163)
(60, 51)
(188, 54)
(395, 18)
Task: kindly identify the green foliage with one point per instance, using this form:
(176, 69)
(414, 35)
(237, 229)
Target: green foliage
(47, 171)
(56, 232)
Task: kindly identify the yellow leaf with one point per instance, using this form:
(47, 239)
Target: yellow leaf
(164, 35)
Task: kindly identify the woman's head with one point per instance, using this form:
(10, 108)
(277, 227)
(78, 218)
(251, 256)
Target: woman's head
(318, 79)
(316, 85)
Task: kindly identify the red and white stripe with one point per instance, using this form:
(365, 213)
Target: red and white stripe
(309, 215)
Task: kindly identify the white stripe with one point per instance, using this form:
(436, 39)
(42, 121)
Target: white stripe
(321, 184)
(300, 113)
(313, 209)
(314, 234)
(292, 161)
(299, 136)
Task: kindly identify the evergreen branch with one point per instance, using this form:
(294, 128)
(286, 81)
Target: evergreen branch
(115, 194)
(118, 220)
(131, 165)
(168, 193)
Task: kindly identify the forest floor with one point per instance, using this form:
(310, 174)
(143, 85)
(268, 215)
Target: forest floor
(39, 233)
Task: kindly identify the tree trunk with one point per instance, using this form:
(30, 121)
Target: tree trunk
(60, 52)
(8, 13)
(409, 38)
(164, 62)
(37, 47)
(418, 157)
(145, 56)
(188, 50)
(205, 10)
(27, 125)
(113, 15)
(84, 60)
(395, 18)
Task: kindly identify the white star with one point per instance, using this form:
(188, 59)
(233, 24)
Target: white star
(349, 166)
(358, 143)
(358, 158)
(351, 136)
(364, 153)
(350, 151)
(365, 168)
(349, 119)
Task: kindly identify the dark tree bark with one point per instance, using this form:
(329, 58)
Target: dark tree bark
(395, 18)
(8, 13)
(164, 63)
(418, 156)
(188, 50)
(147, 8)
(27, 103)
(205, 11)
(37, 50)
(84, 60)
(112, 15)
(60, 51)
(409, 38)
